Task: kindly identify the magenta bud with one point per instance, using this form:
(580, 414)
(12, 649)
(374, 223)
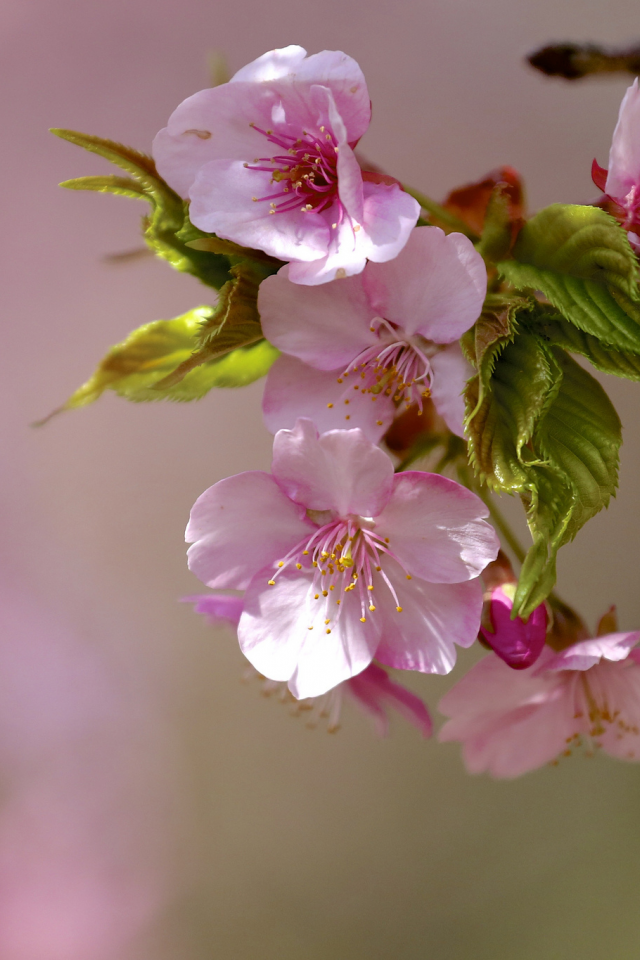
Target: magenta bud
(518, 643)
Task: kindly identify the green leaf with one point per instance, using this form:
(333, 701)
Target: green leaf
(168, 210)
(579, 439)
(545, 429)
(579, 241)
(234, 323)
(501, 416)
(581, 260)
(134, 367)
(561, 333)
(499, 229)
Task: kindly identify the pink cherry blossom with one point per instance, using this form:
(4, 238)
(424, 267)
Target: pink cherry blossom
(387, 335)
(518, 643)
(342, 560)
(373, 689)
(510, 722)
(621, 183)
(267, 161)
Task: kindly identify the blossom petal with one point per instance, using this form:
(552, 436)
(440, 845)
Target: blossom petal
(283, 633)
(340, 470)
(240, 525)
(624, 156)
(435, 529)
(272, 65)
(222, 203)
(293, 390)
(220, 609)
(326, 326)
(435, 286)
(621, 737)
(214, 124)
(374, 689)
(389, 216)
(450, 374)
(509, 722)
(344, 78)
(588, 653)
(434, 617)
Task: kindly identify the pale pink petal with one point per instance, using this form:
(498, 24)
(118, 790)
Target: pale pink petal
(295, 390)
(283, 634)
(518, 643)
(374, 689)
(273, 65)
(389, 216)
(435, 529)
(326, 326)
(433, 618)
(587, 653)
(240, 525)
(220, 609)
(450, 374)
(340, 470)
(222, 203)
(435, 286)
(509, 722)
(342, 75)
(624, 156)
(214, 124)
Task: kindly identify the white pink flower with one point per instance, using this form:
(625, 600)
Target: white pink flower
(342, 561)
(622, 181)
(267, 161)
(510, 722)
(373, 689)
(386, 336)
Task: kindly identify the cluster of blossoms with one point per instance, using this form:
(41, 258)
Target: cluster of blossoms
(341, 564)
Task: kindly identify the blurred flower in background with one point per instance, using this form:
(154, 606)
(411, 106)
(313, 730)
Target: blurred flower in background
(84, 854)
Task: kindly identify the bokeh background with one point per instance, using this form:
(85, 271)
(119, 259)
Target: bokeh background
(153, 807)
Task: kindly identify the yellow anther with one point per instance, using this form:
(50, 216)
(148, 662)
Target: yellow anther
(305, 553)
(281, 563)
(340, 380)
(325, 593)
(378, 569)
(328, 621)
(309, 628)
(271, 583)
(379, 423)
(347, 401)
(328, 631)
(315, 563)
(370, 587)
(399, 609)
(408, 576)
(299, 566)
(363, 619)
(316, 596)
(332, 587)
(329, 405)
(371, 607)
(348, 416)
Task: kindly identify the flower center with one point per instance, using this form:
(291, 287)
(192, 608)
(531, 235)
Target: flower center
(396, 366)
(345, 556)
(304, 175)
(594, 713)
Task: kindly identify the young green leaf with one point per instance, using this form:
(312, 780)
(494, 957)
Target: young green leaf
(234, 323)
(168, 210)
(582, 261)
(558, 331)
(579, 438)
(134, 367)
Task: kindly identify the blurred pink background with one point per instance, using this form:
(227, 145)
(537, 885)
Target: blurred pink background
(152, 806)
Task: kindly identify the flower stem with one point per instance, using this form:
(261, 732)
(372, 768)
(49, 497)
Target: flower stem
(441, 213)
